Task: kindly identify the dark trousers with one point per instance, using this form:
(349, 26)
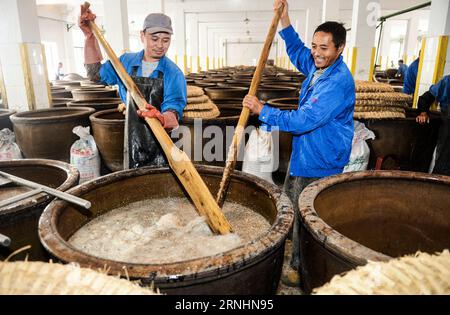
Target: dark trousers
(293, 186)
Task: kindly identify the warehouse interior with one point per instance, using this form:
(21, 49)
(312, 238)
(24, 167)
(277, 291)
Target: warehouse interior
(238, 165)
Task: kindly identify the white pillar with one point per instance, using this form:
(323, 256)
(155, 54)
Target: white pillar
(21, 56)
(385, 45)
(411, 38)
(330, 10)
(116, 25)
(211, 55)
(203, 45)
(313, 20)
(179, 35)
(431, 68)
(440, 24)
(193, 47)
(363, 37)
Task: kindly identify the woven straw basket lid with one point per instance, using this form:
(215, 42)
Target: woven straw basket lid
(379, 115)
(37, 278)
(366, 86)
(384, 96)
(419, 274)
(198, 99)
(194, 91)
(209, 113)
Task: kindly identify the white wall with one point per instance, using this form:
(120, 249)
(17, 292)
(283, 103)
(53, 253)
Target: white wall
(246, 53)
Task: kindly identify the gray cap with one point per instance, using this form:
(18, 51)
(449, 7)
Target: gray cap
(157, 22)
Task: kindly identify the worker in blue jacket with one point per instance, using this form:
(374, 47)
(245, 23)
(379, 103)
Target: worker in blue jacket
(439, 92)
(322, 126)
(160, 81)
(402, 68)
(409, 82)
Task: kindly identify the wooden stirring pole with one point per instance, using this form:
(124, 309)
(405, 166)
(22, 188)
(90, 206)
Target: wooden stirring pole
(237, 138)
(178, 160)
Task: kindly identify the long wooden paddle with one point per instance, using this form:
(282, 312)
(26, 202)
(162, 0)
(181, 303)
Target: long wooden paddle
(178, 160)
(245, 114)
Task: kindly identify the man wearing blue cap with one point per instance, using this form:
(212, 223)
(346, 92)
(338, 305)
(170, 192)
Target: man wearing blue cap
(160, 81)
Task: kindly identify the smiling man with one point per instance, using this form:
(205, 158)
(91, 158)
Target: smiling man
(322, 126)
(160, 81)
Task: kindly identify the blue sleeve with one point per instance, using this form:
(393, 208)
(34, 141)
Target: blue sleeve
(409, 85)
(175, 93)
(299, 54)
(441, 90)
(323, 106)
(107, 73)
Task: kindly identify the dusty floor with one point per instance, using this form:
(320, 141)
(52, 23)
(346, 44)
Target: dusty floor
(282, 288)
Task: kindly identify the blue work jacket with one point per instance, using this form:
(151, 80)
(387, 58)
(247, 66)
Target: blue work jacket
(409, 82)
(441, 91)
(322, 126)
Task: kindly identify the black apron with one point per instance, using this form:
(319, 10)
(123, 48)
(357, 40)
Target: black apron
(141, 148)
(442, 165)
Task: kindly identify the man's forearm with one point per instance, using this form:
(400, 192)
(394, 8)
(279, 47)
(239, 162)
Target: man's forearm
(285, 21)
(93, 71)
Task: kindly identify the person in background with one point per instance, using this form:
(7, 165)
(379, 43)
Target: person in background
(322, 126)
(409, 81)
(159, 79)
(401, 69)
(440, 92)
(59, 72)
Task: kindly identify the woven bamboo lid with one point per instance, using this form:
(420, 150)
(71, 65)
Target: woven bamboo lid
(211, 112)
(366, 86)
(377, 108)
(379, 115)
(384, 96)
(419, 274)
(203, 106)
(194, 91)
(37, 278)
(198, 99)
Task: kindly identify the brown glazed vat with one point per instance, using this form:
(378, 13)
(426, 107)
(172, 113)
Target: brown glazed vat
(5, 121)
(402, 143)
(352, 218)
(213, 80)
(88, 94)
(61, 102)
(98, 104)
(253, 268)
(195, 133)
(239, 83)
(203, 85)
(19, 221)
(73, 77)
(62, 94)
(108, 130)
(216, 93)
(47, 133)
(266, 92)
(65, 83)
